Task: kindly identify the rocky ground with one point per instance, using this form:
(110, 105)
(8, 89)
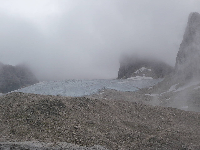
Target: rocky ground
(113, 124)
(170, 92)
(34, 145)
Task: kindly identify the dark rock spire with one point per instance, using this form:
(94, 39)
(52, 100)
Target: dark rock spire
(188, 57)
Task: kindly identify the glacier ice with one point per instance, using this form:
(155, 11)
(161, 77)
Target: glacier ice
(76, 88)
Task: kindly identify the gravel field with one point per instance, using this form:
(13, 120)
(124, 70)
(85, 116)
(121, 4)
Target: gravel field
(113, 124)
(45, 146)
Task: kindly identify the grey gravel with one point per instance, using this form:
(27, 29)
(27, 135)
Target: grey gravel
(45, 146)
(113, 124)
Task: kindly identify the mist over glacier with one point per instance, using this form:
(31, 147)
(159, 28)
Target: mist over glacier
(84, 40)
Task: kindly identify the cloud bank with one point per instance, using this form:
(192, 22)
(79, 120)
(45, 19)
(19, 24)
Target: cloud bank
(84, 39)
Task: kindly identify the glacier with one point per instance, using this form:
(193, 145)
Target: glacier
(77, 88)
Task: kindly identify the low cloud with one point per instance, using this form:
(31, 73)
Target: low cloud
(78, 39)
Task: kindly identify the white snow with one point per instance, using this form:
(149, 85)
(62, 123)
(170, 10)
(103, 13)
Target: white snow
(163, 93)
(184, 107)
(136, 71)
(172, 88)
(142, 69)
(150, 87)
(186, 86)
(140, 78)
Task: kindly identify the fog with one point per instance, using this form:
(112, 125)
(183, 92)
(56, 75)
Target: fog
(84, 39)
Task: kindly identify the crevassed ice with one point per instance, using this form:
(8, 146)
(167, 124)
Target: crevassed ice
(75, 88)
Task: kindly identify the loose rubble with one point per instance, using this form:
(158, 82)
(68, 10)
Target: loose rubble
(113, 124)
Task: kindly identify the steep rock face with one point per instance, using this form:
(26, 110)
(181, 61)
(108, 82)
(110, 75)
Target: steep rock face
(132, 66)
(188, 57)
(12, 78)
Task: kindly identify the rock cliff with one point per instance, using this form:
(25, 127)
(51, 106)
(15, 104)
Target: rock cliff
(188, 57)
(15, 77)
(181, 88)
(132, 66)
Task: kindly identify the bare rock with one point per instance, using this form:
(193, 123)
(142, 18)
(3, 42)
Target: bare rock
(132, 66)
(15, 77)
(188, 57)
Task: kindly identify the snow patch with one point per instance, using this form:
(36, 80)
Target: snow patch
(184, 107)
(150, 87)
(172, 88)
(186, 86)
(140, 78)
(163, 93)
(142, 69)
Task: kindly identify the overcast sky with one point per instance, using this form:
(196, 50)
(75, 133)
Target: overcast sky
(64, 39)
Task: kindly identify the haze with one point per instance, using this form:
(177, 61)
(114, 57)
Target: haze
(66, 39)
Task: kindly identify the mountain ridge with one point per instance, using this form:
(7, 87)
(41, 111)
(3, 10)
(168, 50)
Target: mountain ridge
(133, 65)
(15, 77)
(188, 58)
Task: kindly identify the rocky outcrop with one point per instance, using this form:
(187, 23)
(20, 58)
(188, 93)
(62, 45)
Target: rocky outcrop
(188, 57)
(15, 77)
(181, 88)
(132, 66)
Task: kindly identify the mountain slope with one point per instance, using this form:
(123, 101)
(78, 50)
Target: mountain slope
(181, 89)
(132, 66)
(188, 57)
(15, 77)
